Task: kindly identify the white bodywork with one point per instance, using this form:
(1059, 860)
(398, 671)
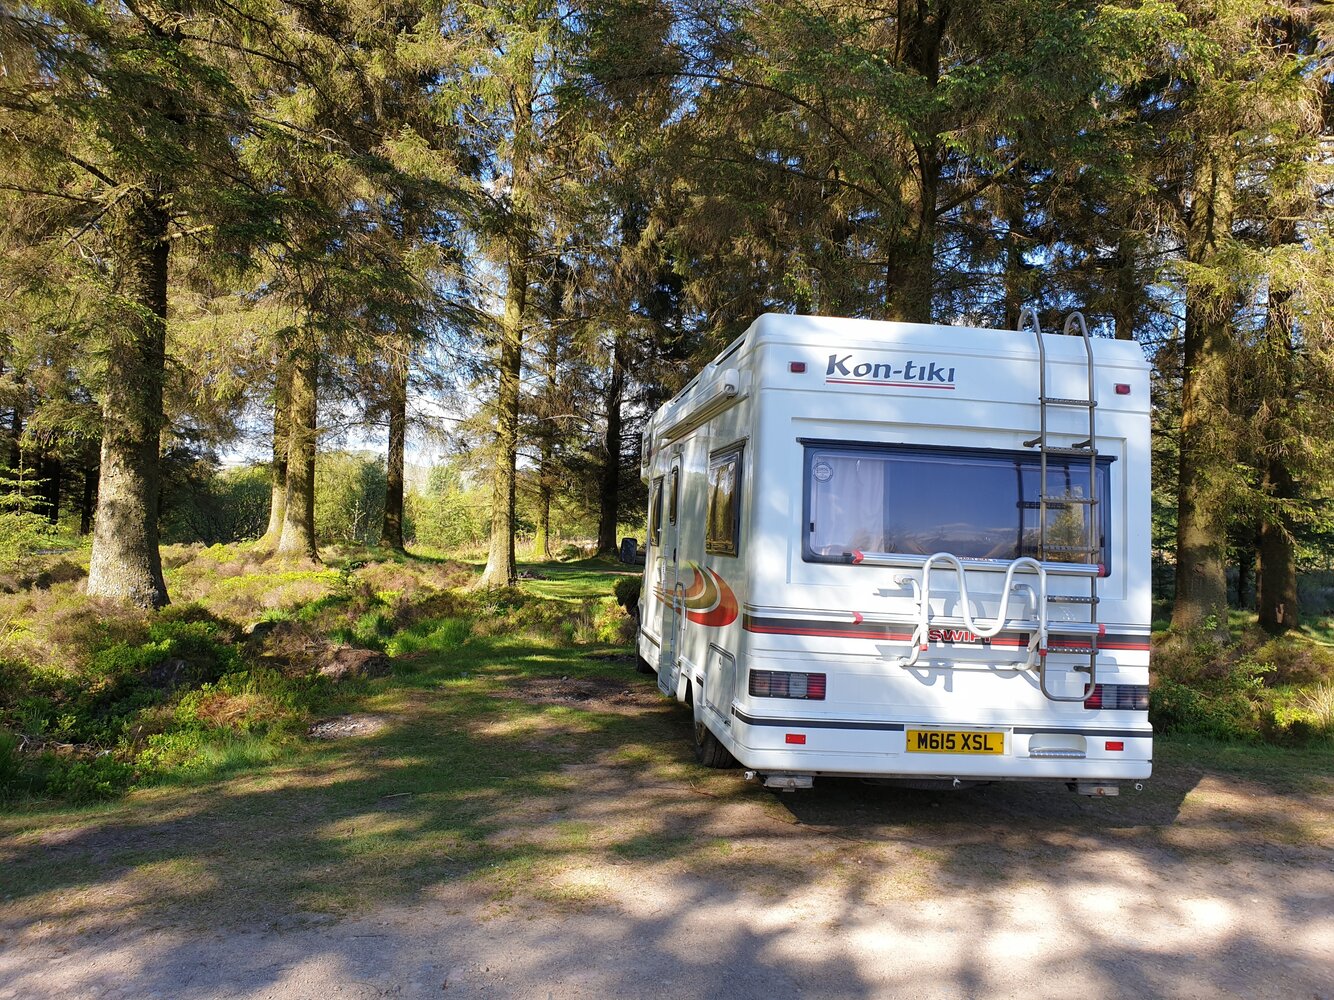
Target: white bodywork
(874, 384)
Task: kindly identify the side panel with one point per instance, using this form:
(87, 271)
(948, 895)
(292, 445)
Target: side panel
(716, 582)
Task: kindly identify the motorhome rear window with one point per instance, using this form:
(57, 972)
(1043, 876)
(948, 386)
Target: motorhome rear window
(976, 504)
(724, 502)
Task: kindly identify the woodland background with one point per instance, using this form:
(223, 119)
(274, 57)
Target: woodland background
(506, 231)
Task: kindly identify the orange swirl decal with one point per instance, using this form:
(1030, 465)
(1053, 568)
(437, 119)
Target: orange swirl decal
(709, 600)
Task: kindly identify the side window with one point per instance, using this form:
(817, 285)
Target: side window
(655, 514)
(675, 495)
(724, 502)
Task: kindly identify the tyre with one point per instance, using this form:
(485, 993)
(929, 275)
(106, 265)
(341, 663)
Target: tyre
(709, 751)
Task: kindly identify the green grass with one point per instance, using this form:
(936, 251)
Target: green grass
(574, 581)
(486, 775)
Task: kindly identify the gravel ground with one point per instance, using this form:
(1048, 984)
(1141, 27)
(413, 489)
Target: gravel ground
(627, 871)
(1128, 933)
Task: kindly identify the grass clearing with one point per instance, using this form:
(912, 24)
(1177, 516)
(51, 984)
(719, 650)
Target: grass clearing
(529, 763)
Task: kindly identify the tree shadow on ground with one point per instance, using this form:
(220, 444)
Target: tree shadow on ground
(495, 833)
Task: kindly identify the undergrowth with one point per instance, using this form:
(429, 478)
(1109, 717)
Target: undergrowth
(1259, 689)
(97, 698)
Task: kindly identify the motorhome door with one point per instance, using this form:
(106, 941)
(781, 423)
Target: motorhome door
(672, 585)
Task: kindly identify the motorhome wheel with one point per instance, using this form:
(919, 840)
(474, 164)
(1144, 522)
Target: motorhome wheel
(709, 751)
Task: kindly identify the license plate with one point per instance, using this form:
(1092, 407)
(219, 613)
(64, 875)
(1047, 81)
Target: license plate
(954, 741)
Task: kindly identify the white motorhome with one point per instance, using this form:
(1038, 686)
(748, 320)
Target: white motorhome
(906, 551)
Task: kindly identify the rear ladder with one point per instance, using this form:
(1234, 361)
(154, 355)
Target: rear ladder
(1089, 630)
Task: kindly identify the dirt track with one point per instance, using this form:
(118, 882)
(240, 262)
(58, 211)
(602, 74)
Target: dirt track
(640, 877)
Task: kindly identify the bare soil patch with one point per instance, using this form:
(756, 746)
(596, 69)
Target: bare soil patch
(595, 694)
(347, 725)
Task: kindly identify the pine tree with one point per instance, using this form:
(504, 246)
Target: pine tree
(119, 120)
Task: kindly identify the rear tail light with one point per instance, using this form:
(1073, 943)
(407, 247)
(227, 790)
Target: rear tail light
(1119, 697)
(784, 684)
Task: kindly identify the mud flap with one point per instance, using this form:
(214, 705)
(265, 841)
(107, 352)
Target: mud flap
(667, 675)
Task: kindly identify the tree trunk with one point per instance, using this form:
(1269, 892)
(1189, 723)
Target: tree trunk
(1245, 570)
(1276, 583)
(298, 534)
(910, 270)
(282, 418)
(1201, 577)
(542, 539)
(125, 562)
(396, 392)
(500, 568)
(89, 495)
(546, 442)
(609, 495)
(15, 448)
(1276, 589)
(1127, 290)
(50, 471)
(1017, 270)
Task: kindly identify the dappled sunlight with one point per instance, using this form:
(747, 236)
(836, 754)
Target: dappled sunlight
(1241, 808)
(122, 894)
(532, 813)
(330, 775)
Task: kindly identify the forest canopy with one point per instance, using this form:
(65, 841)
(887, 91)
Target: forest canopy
(506, 231)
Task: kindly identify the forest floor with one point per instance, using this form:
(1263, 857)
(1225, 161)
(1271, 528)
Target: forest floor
(510, 818)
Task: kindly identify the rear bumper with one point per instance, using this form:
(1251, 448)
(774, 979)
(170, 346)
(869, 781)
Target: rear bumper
(879, 749)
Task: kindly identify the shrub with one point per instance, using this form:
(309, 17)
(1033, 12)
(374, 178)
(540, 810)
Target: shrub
(1241, 693)
(1295, 660)
(1220, 713)
(13, 780)
(78, 780)
(449, 514)
(627, 590)
(611, 622)
(349, 497)
(23, 531)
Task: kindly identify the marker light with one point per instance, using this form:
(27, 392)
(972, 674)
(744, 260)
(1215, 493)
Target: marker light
(798, 738)
(1115, 745)
(796, 366)
(1122, 389)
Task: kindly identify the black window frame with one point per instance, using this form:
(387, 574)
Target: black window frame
(732, 453)
(655, 512)
(878, 448)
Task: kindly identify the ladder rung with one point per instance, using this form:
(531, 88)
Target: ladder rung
(1060, 401)
(1067, 599)
(1074, 628)
(1084, 452)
